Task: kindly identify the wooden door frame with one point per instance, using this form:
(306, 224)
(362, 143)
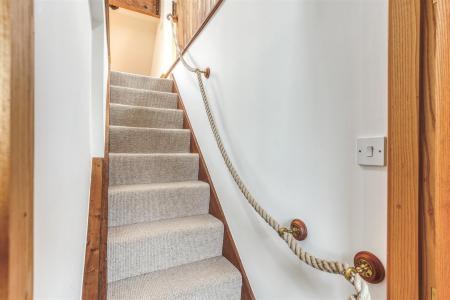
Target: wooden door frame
(16, 148)
(418, 147)
(403, 149)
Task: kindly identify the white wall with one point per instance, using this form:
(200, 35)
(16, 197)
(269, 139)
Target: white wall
(99, 77)
(132, 41)
(164, 53)
(68, 120)
(293, 84)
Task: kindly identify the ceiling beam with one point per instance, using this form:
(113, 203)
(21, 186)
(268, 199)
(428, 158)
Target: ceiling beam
(148, 7)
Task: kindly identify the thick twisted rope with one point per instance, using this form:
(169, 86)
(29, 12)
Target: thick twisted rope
(334, 267)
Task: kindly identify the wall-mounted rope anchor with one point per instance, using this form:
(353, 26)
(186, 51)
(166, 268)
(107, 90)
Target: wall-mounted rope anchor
(206, 72)
(298, 230)
(368, 266)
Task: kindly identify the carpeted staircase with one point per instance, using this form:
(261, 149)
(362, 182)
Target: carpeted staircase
(162, 243)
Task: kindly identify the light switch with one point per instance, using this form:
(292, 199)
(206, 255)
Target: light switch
(371, 151)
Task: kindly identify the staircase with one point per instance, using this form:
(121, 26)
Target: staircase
(162, 243)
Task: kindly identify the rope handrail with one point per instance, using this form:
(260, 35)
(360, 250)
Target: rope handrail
(351, 274)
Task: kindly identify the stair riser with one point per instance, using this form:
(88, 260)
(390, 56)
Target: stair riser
(141, 82)
(126, 140)
(129, 207)
(138, 169)
(158, 252)
(214, 278)
(133, 116)
(128, 96)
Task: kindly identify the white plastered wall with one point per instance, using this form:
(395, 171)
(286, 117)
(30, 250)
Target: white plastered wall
(132, 41)
(69, 131)
(293, 84)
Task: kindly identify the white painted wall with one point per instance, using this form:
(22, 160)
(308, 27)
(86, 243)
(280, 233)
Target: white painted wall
(164, 53)
(68, 133)
(132, 41)
(293, 84)
(99, 77)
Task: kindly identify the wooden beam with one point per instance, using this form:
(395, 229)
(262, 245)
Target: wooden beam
(428, 153)
(442, 13)
(92, 258)
(403, 149)
(148, 7)
(16, 148)
(435, 144)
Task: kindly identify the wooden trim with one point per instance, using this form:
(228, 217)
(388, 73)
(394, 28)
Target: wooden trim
(427, 154)
(148, 7)
(229, 248)
(442, 93)
(403, 149)
(103, 282)
(435, 144)
(92, 259)
(16, 148)
(197, 33)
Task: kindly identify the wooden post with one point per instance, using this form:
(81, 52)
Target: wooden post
(16, 148)
(403, 149)
(435, 144)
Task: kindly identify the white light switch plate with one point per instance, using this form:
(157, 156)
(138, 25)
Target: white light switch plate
(371, 151)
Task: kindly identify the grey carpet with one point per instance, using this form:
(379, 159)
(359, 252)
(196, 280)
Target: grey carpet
(211, 279)
(141, 82)
(139, 97)
(146, 247)
(130, 204)
(150, 117)
(162, 243)
(126, 168)
(148, 140)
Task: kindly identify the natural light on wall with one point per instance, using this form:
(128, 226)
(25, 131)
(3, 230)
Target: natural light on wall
(132, 41)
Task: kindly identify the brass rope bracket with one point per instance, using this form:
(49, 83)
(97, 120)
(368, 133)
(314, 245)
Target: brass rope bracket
(298, 230)
(368, 266)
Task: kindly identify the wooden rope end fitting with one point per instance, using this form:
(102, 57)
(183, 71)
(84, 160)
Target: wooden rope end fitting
(368, 266)
(298, 230)
(207, 72)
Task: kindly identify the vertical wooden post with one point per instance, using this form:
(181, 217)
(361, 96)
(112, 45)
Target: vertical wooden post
(16, 149)
(428, 153)
(403, 149)
(442, 13)
(435, 144)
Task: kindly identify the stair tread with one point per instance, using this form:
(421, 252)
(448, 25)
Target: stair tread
(138, 76)
(141, 248)
(142, 97)
(150, 108)
(129, 204)
(141, 168)
(126, 139)
(214, 278)
(132, 89)
(141, 81)
(126, 233)
(149, 129)
(152, 186)
(142, 116)
(137, 155)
